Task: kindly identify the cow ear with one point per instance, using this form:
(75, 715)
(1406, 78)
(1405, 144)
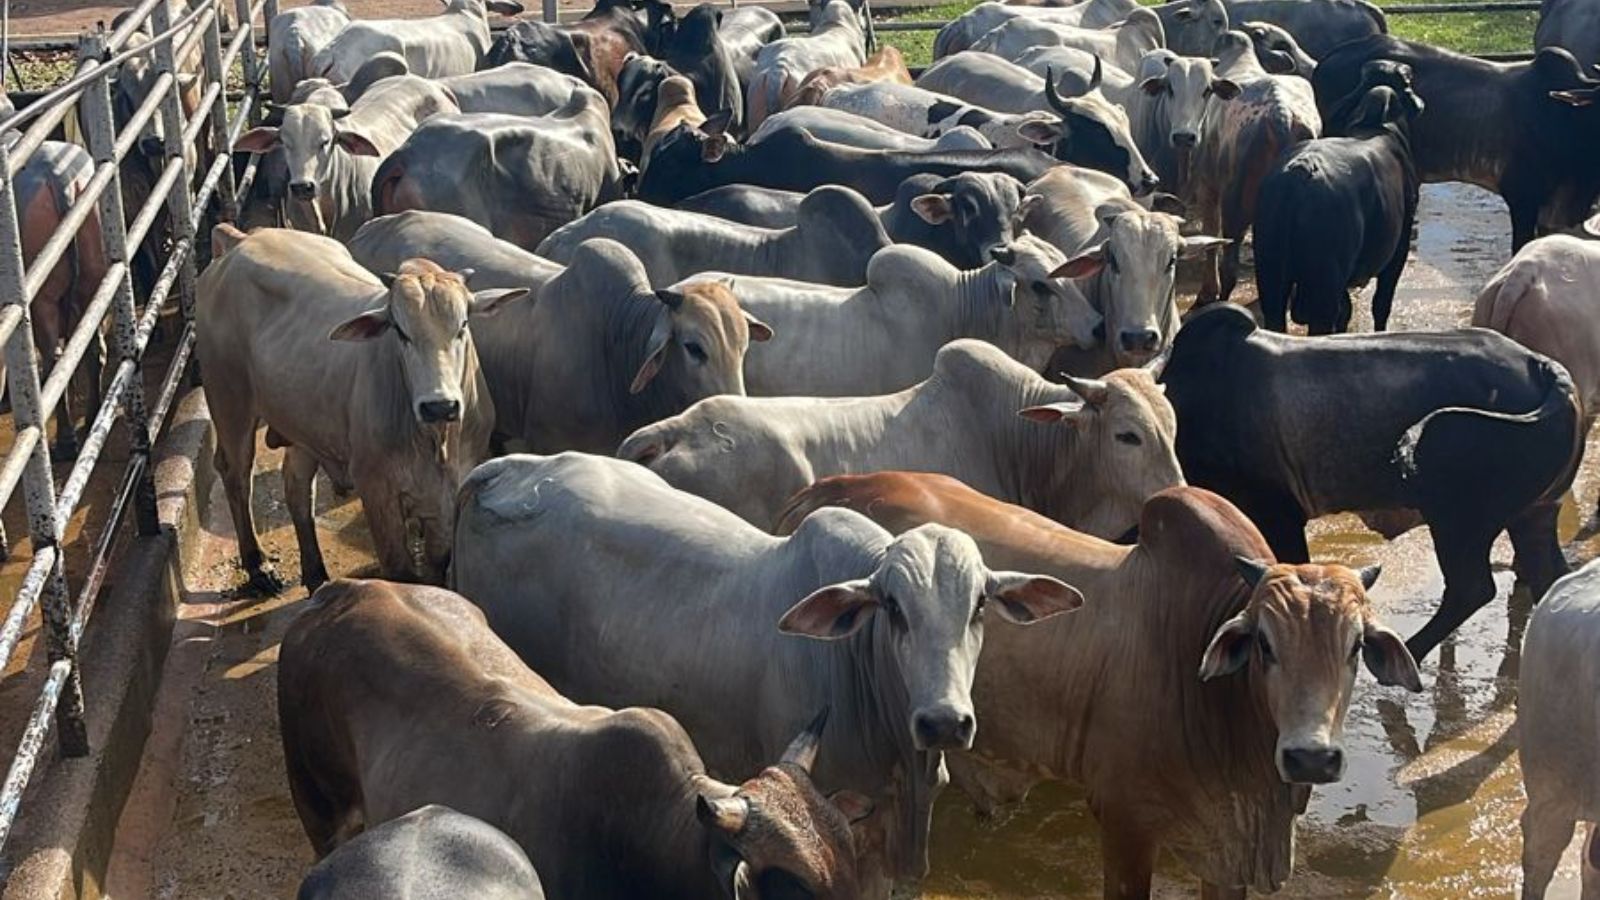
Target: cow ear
(655, 350)
(832, 612)
(487, 303)
(1199, 244)
(852, 805)
(356, 144)
(1067, 411)
(364, 327)
(723, 814)
(1154, 85)
(713, 148)
(1042, 131)
(1574, 98)
(505, 7)
(1025, 599)
(1087, 263)
(1388, 659)
(717, 122)
(1223, 89)
(1171, 204)
(258, 140)
(932, 208)
(760, 332)
(1229, 649)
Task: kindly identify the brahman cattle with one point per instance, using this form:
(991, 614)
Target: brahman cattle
(835, 233)
(1471, 434)
(592, 48)
(516, 88)
(1336, 212)
(1112, 701)
(1522, 130)
(551, 47)
(696, 51)
(836, 126)
(897, 623)
(926, 114)
(451, 43)
(392, 697)
(744, 31)
(431, 853)
(1317, 27)
(520, 177)
(886, 66)
(1573, 25)
(332, 155)
(637, 105)
(692, 160)
(843, 342)
(294, 38)
(1557, 724)
(960, 33)
(1087, 457)
(1123, 44)
(1277, 51)
(280, 317)
(675, 105)
(602, 354)
(455, 243)
(836, 40)
(1244, 139)
(1168, 113)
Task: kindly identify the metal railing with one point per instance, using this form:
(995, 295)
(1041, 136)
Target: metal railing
(201, 137)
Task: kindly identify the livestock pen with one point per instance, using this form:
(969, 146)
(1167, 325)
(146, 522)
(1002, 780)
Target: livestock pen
(207, 808)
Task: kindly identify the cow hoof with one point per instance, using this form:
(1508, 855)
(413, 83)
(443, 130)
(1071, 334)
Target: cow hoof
(263, 582)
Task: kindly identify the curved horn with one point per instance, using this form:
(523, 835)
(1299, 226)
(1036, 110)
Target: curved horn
(802, 750)
(1251, 570)
(1158, 363)
(1093, 391)
(673, 299)
(1051, 95)
(1094, 80)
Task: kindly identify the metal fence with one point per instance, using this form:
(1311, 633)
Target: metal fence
(185, 195)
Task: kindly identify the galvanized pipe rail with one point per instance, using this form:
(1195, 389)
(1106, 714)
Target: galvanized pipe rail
(194, 145)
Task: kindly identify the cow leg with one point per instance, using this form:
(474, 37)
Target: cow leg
(1129, 860)
(1234, 225)
(300, 493)
(235, 463)
(1538, 559)
(1546, 832)
(1389, 278)
(1209, 891)
(1524, 221)
(1463, 554)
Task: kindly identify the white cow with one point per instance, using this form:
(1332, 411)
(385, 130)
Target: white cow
(452, 43)
(294, 37)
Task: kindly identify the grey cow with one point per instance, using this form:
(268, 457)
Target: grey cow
(962, 31)
(1088, 460)
(451, 43)
(453, 242)
(897, 623)
(844, 342)
(521, 177)
(432, 853)
(376, 385)
(838, 126)
(294, 38)
(601, 354)
(835, 233)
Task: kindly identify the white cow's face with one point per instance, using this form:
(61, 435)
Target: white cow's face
(426, 311)
(928, 595)
(1189, 85)
(311, 140)
(1303, 632)
(1051, 310)
(696, 349)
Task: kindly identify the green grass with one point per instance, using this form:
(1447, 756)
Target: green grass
(1507, 32)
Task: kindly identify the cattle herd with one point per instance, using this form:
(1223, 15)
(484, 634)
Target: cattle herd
(756, 439)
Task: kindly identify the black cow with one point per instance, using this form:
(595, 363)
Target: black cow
(744, 31)
(689, 160)
(1318, 27)
(1334, 213)
(695, 50)
(432, 853)
(1524, 130)
(593, 48)
(1573, 24)
(1466, 431)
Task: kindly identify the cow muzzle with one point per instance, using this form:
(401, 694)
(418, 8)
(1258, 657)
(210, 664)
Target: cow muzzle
(433, 412)
(1311, 765)
(1139, 340)
(303, 190)
(943, 729)
(1185, 140)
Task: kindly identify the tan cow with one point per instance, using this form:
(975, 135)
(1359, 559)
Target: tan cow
(392, 697)
(374, 382)
(1213, 766)
(887, 64)
(675, 105)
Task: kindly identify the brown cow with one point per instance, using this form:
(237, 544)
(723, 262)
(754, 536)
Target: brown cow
(1213, 768)
(886, 65)
(675, 105)
(392, 697)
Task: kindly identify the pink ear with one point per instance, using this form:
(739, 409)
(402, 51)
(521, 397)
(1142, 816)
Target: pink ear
(1081, 266)
(1025, 599)
(854, 806)
(257, 140)
(759, 330)
(651, 366)
(832, 612)
(364, 327)
(1229, 649)
(357, 144)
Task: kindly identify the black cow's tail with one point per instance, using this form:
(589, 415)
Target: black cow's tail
(1533, 455)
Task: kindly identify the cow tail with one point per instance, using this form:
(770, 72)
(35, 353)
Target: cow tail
(1545, 443)
(649, 443)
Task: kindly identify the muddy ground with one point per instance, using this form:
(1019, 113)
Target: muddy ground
(1428, 809)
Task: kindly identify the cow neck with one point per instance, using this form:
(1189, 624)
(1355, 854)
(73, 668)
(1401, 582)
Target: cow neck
(983, 308)
(630, 318)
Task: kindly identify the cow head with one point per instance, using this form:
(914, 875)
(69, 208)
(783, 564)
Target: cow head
(1303, 632)
(638, 83)
(697, 344)
(1048, 311)
(1092, 132)
(1188, 86)
(928, 596)
(426, 310)
(312, 141)
(1194, 26)
(1277, 50)
(1565, 81)
(985, 210)
(776, 836)
(1137, 266)
(1126, 430)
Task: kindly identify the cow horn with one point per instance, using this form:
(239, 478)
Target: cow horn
(1005, 256)
(1093, 391)
(337, 114)
(1094, 80)
(726, 814)
(1051, 95)
(802, 750)
(673, 299)
(1251, 570)
(1158, 363)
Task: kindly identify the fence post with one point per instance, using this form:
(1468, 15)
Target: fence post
(39, 490)
(252, 63)
(101, 132)
(227, 198)
(180, 200)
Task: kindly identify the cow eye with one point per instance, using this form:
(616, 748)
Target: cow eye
(404, 338)
(462, 331)
(1172, 263)
(695, 351)
(977, 609)
(1111, 261)
(1267, 656)
(1040, 287)
(1129, 438)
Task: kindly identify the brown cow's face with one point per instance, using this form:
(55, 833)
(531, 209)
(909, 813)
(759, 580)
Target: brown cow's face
(426, 310)
(698, 345)
(1303, 632)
